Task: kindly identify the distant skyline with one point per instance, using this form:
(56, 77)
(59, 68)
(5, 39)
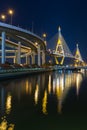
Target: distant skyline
(47, 15)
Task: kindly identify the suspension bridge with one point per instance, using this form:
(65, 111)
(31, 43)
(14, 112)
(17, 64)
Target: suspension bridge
(62, 51)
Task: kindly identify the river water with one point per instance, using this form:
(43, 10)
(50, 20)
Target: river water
(51, 101)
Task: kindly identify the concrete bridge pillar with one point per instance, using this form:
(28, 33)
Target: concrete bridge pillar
(15, 58)
(38, 50)
(3, 48)
(33, 58)
(43, 57)
(27, 59)
(19, 53)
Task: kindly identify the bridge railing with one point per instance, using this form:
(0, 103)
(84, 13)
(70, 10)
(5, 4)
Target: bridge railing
(19, 29)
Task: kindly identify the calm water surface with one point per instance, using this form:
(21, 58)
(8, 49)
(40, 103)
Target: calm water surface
(50, 101)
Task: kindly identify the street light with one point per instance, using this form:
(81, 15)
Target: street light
(3, 17)
(11, 13)
(36, 44)
(44, 36)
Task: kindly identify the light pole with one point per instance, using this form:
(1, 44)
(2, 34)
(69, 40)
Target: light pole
(3, 17)
(44, 37)
(11, 13)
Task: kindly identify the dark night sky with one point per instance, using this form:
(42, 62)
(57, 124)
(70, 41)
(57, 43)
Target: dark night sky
(47, 15)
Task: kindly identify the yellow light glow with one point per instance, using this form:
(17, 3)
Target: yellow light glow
(49, 84)
(27, 87)
(54, 85)
(77, 52)
(78, 82)
(11, 127)
(30, 88)
(44, 103)
(10, 11)
(5, 126)
(3, 17)
(62, 83)
(62, 61)
(8, 104)
(44, 35)
(59, 42)
(56, 59)
(36, 94)
(36, 43)
(45, 43)
(59, 92)
(59, 89)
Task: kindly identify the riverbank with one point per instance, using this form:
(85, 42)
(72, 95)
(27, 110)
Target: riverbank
(8, 73)
(13, 73)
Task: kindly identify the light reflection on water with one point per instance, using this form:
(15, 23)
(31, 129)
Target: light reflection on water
(36, 94)
(5, 105)
(8, 103)
(44, 103)
(38, 88)
(5, 126)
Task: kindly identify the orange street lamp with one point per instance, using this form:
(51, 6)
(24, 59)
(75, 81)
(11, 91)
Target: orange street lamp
(11, 13)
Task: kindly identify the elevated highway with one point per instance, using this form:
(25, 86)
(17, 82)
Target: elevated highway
(23, 41)
(22, 34)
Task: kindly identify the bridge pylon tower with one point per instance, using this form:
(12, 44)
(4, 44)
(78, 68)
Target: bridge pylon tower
(59, 49)
(78, 57)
